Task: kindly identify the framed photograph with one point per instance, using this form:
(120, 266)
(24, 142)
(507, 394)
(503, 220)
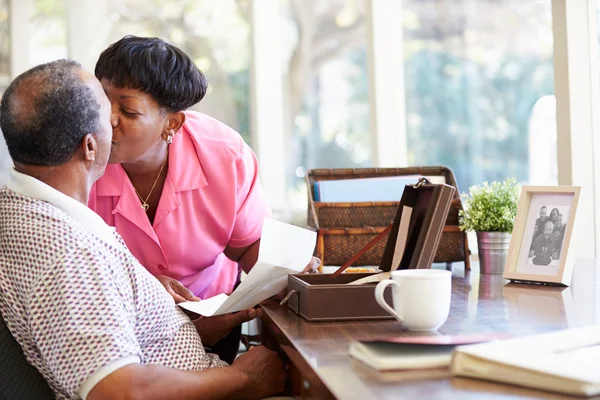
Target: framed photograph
(541, 235)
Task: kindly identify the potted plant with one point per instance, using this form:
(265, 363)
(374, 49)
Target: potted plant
(490, 210)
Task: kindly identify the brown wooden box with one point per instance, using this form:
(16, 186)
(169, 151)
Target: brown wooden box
(344, 228)
(318, 297)
(422, 212)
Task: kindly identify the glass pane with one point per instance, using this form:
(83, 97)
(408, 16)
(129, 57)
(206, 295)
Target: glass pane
(215, 34)
(4, 45)
(480, 89)
(326, 88)
(48, 30)
(598, 31)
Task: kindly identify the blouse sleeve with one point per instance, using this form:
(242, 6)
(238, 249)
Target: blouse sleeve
(252, 206)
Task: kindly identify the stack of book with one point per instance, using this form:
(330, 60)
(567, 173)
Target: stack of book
(566, 362)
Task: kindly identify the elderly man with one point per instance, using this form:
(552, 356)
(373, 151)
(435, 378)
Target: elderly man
(88, 316)
(544, 248)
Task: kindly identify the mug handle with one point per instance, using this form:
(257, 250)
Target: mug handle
(379, 291)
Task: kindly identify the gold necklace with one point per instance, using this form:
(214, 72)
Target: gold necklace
(145, 204)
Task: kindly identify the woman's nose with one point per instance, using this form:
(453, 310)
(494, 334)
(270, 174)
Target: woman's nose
(114, 121)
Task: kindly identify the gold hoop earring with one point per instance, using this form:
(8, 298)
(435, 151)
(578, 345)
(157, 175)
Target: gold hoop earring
(169, 139)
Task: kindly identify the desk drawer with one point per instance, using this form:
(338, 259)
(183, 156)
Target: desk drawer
(302, 387)
(303, 382)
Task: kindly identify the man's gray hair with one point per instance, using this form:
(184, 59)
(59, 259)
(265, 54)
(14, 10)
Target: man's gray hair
(46, 111)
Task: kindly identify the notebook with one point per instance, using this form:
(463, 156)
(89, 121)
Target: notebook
(412, 352)
(428, 205)
(566, 361)
(415, 233)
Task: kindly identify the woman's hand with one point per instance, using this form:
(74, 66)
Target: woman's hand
(179, 292)
(312, 267)
(212, 329)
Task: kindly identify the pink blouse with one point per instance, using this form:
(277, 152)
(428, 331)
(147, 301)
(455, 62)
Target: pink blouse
(212, 198)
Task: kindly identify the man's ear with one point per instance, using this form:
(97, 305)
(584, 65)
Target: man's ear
(90, 147)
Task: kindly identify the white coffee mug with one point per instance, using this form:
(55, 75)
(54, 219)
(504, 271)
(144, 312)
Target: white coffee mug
(421, 297)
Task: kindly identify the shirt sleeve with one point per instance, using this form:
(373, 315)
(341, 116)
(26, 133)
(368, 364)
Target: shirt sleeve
(252, 204)
(81, 322)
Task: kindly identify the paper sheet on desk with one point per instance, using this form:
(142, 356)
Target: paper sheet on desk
(284, 249)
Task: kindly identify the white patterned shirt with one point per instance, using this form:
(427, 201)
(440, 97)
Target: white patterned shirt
(77, 301)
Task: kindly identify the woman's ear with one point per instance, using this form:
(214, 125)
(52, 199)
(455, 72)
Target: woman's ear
(176, 121)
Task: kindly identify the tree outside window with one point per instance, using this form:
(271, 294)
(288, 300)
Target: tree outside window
(215, 34)
(474, 71)
(325, 87)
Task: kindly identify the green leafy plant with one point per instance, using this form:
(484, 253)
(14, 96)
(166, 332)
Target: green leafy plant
(490, 207)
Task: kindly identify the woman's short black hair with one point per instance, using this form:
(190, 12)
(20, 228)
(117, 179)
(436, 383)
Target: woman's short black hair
(155, 67)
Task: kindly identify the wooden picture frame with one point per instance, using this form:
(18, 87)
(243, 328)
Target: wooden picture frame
(541, 235)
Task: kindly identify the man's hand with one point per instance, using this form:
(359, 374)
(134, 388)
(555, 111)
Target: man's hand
(179, 292)
(265, 369)
(213, 329)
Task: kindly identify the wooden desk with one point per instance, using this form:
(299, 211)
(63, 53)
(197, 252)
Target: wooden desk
(323, 369)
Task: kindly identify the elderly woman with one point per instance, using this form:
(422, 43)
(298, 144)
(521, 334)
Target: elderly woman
(183, 188)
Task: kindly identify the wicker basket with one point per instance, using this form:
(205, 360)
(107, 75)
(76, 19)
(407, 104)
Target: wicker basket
(344, 228)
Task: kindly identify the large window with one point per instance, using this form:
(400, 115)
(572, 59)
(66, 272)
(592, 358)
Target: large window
(325, 88)
(48, 32)
(479, 88)
(4, 44)
(215, 34)
(478, 76)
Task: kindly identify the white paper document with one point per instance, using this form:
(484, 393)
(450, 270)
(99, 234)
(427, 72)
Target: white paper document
(284, 249)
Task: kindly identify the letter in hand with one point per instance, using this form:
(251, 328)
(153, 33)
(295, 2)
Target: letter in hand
(212, 329)
(265, 369)
(179, 292)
